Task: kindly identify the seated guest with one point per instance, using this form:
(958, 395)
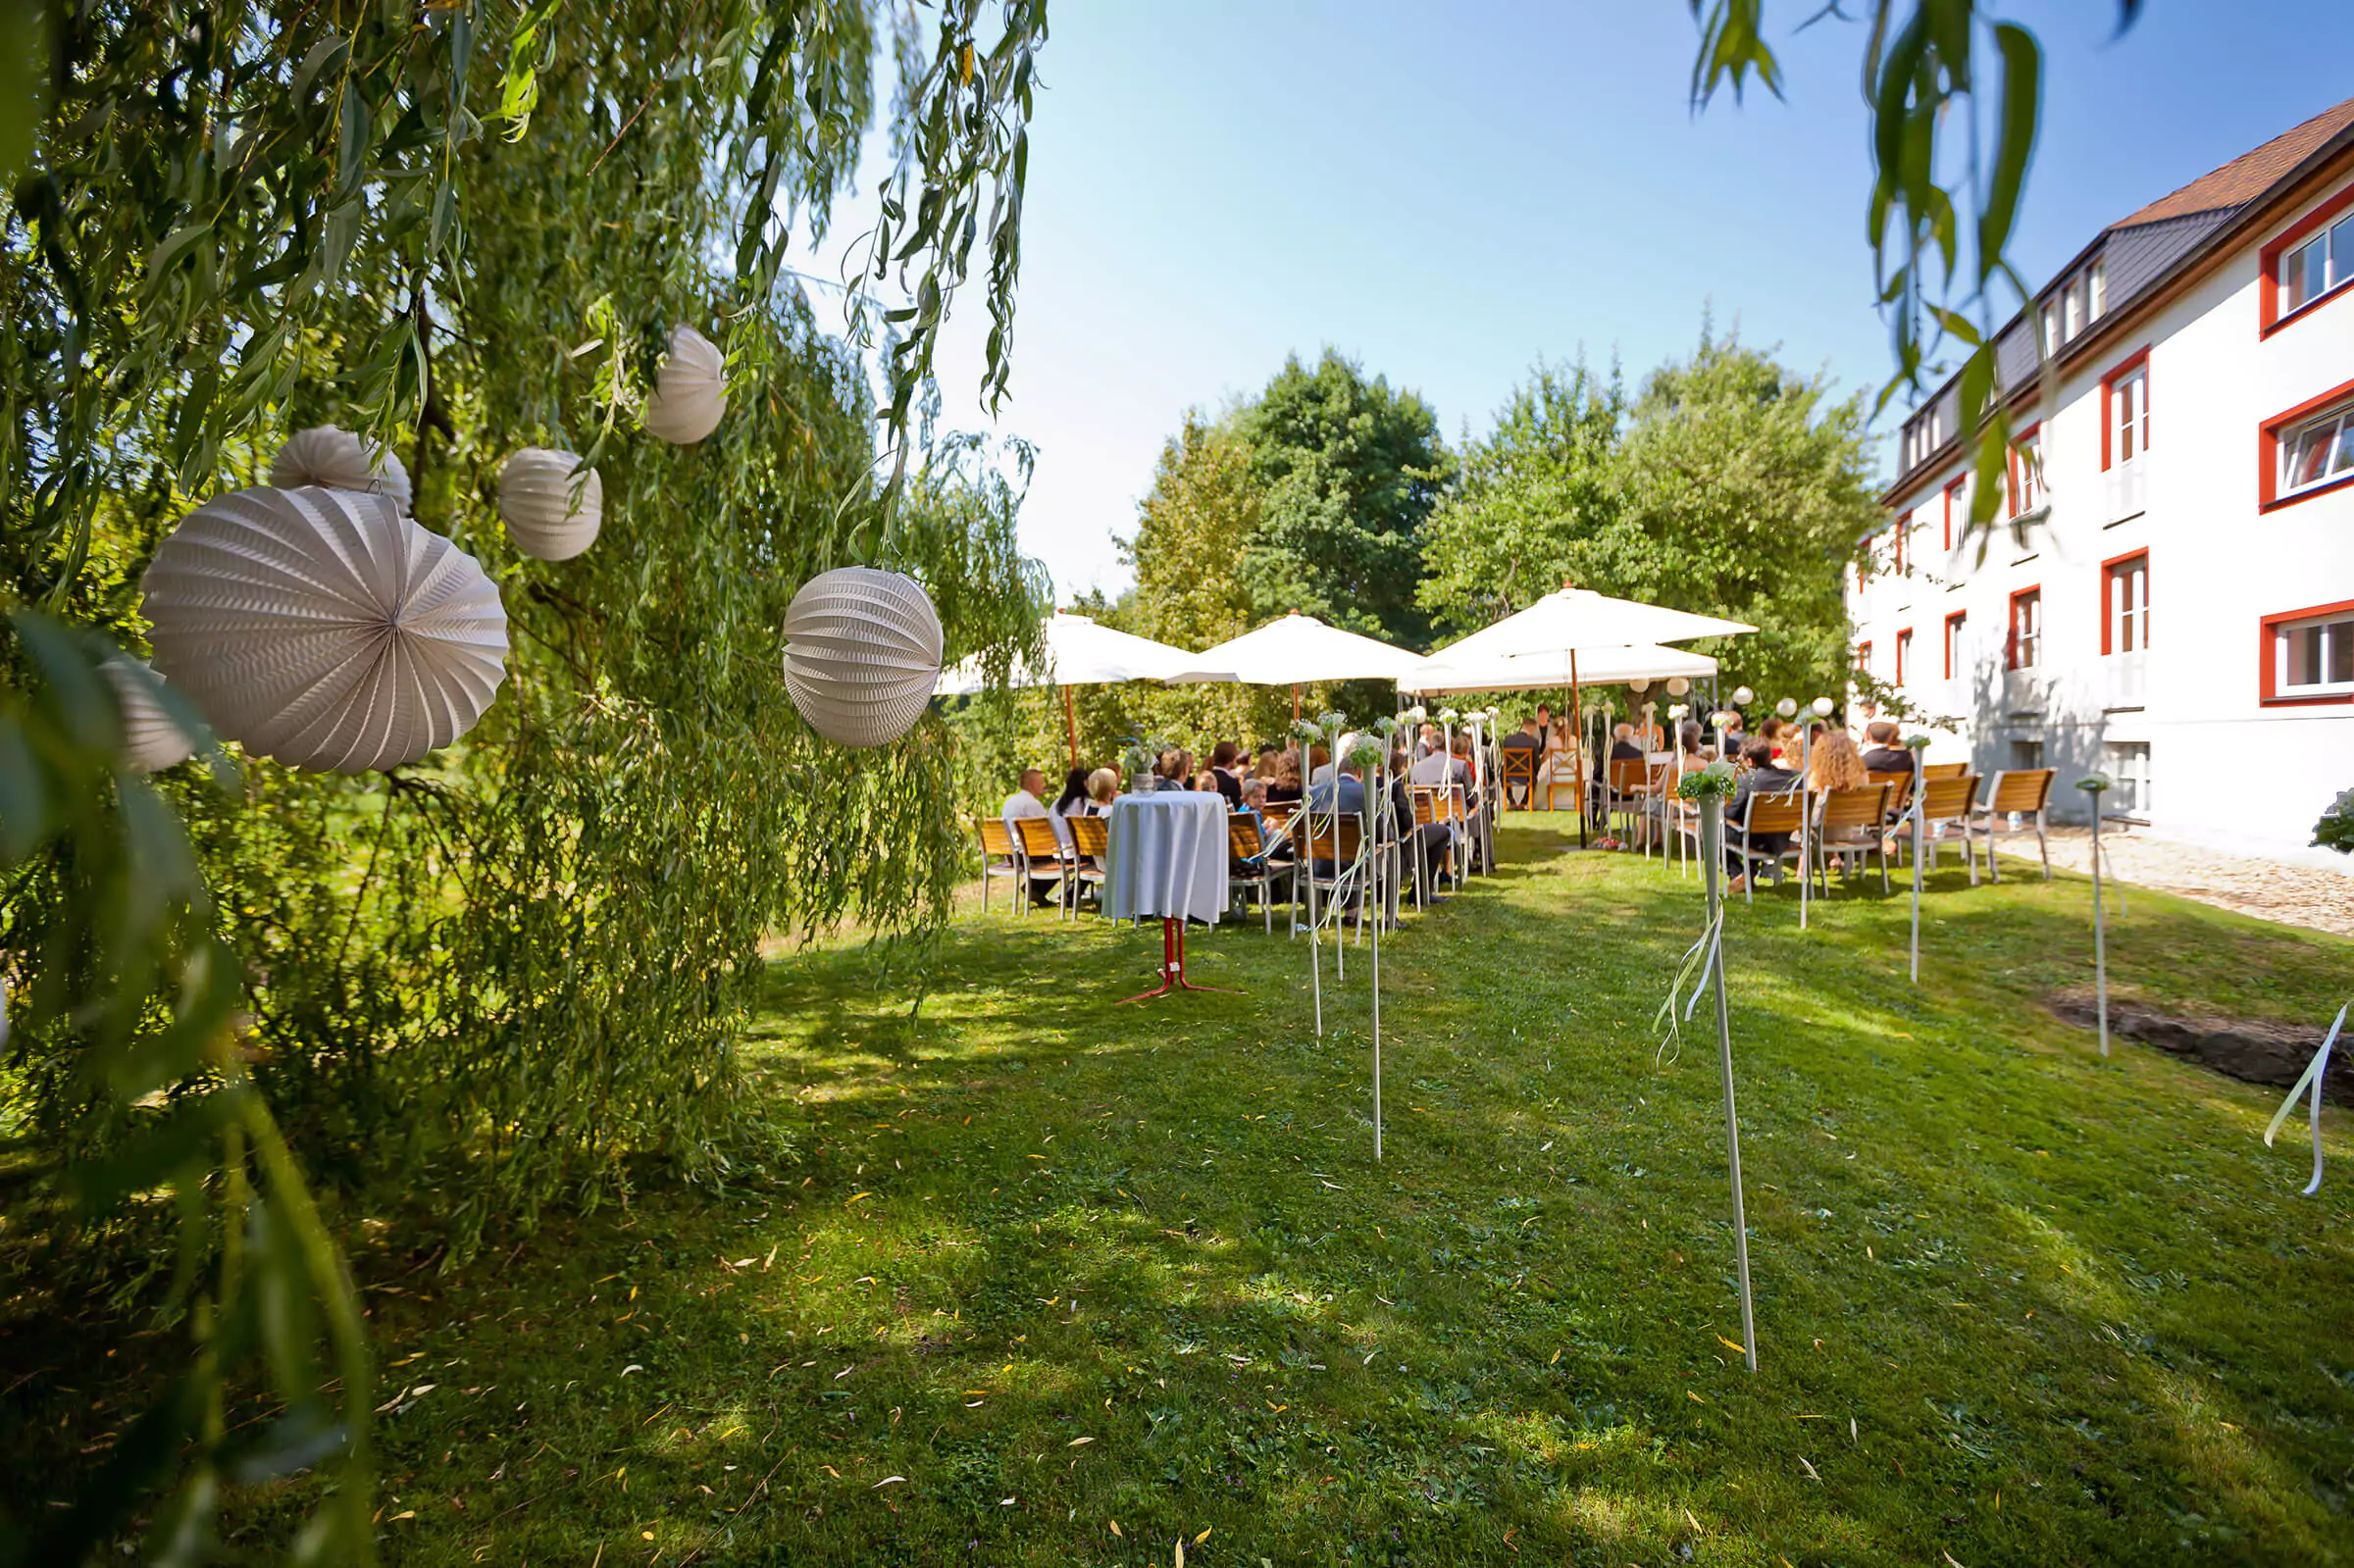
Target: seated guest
(1763, 777)
(1833, 763)
(1103, 788)
(1025, 803)
(1432, 739)
(1688, 747)
(1886, 755)
(1326, 766)
(1770, 732)
(1223, 777)
(1284, 787)
(1622, 744)
(1530, 737)
(1072, 803)
(1268, 755)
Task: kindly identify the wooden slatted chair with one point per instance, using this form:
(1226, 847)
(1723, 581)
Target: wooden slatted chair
(1900, 789)
(1850, 824)
(1944, 770)
(1454, 812)
(1767, 814)
(1001, 857)
(1518, 770)
(1090, 841)
(1625, 793)
(1945, 807)
(1048, 860)
(1246, 865)
(2023, 793)
(1335, 846)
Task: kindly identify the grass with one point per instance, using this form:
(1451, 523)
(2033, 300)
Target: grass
(1065, 1282)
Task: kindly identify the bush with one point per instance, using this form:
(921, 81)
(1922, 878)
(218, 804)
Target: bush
(2335, 829)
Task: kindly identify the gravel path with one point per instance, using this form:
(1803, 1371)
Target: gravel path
(2295, 895)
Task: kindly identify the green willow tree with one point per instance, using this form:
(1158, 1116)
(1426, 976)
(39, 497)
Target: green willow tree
(516, 969)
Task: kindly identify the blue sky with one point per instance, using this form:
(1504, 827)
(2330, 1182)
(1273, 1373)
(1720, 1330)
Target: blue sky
(1447, 192)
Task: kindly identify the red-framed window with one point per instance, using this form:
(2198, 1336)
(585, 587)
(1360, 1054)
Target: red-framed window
(2126, 603)
(2027, 470)
(2022, 643)
(2308, 264)
(1864, 657)
(2303, 451)
(2126, 410)
(1955, 625)
(1904, 654)
(1956, 508)
(2307, 656)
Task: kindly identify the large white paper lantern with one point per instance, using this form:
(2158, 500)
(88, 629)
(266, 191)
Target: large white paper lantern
(535, 497)
(1677, 685)
(325, 628)
(338, 460)
(686, 403)
(152, 740)
(862, 654)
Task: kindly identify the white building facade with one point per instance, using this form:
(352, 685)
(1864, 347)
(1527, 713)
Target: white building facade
(2183, 618)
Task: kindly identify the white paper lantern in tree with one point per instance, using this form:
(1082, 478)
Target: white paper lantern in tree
(325, 628)
(686, 403)
(338, 460)
(152, 740)
(1743, 696)
(1677, 685)
(1822, 707)
(862, 654)
(1787, 707)
(535, 496)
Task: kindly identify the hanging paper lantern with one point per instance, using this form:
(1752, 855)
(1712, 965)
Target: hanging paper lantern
(1822, 707)
(686, 403)
(1677, 685)
(535, 496)
(1743, 696)
(152, 740)
(338, 460)
(862, 654)
(1787, 707)
(325, 628)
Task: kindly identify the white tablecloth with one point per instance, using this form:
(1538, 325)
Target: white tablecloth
(1168, 856)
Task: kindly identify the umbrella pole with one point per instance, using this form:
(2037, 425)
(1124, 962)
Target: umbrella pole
(1578, 711)
(1380, 815)
(1071, 723)
(1304, 860)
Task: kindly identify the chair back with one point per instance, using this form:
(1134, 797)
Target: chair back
(1844, 810)
(1090, 836)
(1776, 813)
(1447, 804)
(1520, 766)
(1944, 770)
(1327, 841)
(1426, 805)
(1900, 786)
(1243, 843)
(2023, 792)
(1038, 838)
(1944, 799)
(1278, 812)
(996, 839)
(1629, 775)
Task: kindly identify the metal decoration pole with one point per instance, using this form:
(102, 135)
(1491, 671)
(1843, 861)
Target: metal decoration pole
(1303, 857)
(1711, 849)
(2094, 787)
(1918, 843)
(1380, 815)
(1578, 708)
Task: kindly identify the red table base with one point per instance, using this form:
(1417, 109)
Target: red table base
(1172, 966)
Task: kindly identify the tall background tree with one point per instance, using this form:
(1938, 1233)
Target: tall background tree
(1349, 470)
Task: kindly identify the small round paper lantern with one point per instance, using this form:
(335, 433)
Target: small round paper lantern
(338, 460)
(152, 740)
(686, 403)
(535, 497)
(1677, 685)
(1787, 707)
(1822, 707)
(1743, 696)
(325, 628)
(1638, 687)
(862, 654)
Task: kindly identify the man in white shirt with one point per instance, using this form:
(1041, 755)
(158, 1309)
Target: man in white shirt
(1026, 802)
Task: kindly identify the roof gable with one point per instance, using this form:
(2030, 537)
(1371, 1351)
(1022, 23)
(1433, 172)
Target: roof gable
(2247, 176)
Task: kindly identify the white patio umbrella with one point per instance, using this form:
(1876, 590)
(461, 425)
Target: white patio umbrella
(1298, 650)
(1444, 673)
(1080, 652)
(1561, 625)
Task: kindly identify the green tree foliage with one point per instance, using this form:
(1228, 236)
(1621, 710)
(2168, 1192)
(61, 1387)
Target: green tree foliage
(1744, 490)
(1350, 470)
(1526, 494)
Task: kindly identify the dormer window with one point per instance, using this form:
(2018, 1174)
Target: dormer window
(2317, 266)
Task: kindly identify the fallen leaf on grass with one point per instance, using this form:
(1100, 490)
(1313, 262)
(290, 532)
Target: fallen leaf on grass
(1809, 1468)
(1115, 1528)
(1730, 1346)
(885, 1482)
(1076, 1441)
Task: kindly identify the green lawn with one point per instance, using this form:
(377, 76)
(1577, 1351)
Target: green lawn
(1065, 1282)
